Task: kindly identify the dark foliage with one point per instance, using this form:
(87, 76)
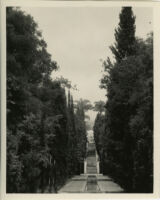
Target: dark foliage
(124, 35)
(41, 131)
(126, 147)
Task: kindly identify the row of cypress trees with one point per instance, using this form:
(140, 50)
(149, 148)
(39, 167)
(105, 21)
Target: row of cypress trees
(124, 134)
(46, 133)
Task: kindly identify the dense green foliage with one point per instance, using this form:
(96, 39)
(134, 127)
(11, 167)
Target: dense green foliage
(125, 145)
(43, 128)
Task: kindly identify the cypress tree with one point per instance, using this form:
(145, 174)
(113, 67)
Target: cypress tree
(124, 35)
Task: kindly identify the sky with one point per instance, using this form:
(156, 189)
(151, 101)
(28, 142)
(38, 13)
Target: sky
(78, 38)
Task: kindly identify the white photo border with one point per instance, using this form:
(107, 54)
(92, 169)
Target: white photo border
(156, 37)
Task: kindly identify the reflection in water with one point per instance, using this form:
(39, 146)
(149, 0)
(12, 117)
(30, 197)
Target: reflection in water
(92, 184)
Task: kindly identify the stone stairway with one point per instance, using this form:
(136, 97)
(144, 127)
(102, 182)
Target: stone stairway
(91, 159)
(91, 181)
(91, 166)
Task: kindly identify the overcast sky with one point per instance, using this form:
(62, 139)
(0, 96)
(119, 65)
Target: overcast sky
(78, 38)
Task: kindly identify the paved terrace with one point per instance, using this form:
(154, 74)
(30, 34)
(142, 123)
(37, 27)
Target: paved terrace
(91, 182)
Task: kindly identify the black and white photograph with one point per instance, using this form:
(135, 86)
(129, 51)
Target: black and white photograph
(79, 99)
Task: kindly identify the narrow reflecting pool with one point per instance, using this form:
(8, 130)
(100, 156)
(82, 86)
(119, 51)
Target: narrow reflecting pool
(92, 186)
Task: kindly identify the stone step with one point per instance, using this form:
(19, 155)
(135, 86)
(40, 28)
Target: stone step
(91, 165)
(91, 171)
(91, 162)
(93, 158)
(97, 175)
(91, 168)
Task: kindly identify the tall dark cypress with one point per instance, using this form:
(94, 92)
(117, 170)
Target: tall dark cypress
(124, 35)
(127, 139)
(72, 114)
